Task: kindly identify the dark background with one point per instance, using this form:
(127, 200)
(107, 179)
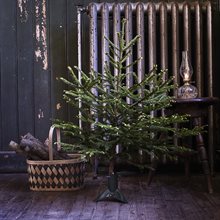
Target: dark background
(38, 40)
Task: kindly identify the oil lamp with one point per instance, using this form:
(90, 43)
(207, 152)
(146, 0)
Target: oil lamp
(187, 91)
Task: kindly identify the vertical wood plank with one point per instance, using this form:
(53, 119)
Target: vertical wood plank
(9, 115)
(42, 96)
(58, 56)
(25, 46)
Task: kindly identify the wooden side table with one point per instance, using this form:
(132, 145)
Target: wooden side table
(197, 108)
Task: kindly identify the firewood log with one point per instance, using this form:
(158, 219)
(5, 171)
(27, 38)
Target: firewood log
(34, 149)
(25, 152)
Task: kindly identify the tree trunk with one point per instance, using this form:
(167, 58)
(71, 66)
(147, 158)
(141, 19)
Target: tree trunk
(111, 166)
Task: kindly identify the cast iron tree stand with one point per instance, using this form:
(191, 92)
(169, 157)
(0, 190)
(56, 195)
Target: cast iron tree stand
(112, 193)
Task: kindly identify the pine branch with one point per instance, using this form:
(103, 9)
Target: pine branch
(108, 120)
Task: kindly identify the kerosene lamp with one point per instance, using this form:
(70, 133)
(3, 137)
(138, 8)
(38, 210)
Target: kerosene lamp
(187, 91)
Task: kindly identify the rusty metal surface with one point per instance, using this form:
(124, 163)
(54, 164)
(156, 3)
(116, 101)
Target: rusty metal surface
(209, 50)
(157, 6)
(163, 36)
(198, 52)
(93, 37)
(187, 28)
(175, 42)
(186, 32)
(116, 29)
(141, 42)
(128, 37)
(152, 35)
(149, 57)
(79, 55)
(105, 32)
(210, 86)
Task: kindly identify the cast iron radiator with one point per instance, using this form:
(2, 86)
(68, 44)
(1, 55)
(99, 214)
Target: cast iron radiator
(166, 29)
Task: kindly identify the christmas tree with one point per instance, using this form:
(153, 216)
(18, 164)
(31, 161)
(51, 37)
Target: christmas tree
(108, 120)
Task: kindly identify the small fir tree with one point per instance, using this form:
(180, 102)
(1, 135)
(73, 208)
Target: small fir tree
(109, 120)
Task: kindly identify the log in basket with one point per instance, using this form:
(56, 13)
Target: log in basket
(56, 175)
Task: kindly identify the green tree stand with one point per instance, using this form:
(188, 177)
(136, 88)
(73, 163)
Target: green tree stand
(112, 193)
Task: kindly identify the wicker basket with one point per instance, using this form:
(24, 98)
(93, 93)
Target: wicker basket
(56, 175)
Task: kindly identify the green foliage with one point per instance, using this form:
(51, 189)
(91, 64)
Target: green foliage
(109, 120)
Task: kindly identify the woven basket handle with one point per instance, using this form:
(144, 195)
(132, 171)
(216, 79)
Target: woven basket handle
(50, 145)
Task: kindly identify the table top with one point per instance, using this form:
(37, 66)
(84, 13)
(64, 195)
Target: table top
(196, 107)
(200, 100)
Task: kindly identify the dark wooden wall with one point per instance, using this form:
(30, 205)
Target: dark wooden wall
(38, 40)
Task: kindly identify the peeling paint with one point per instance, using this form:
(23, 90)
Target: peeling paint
(37, 53)
(58, 106)
(40, 114)
(23, 12)
(41, 52)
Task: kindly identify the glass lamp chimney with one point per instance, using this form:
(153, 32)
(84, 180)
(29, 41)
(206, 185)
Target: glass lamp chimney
(187, 90)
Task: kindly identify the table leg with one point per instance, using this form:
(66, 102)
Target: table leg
(203, 156)
(186, 166)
